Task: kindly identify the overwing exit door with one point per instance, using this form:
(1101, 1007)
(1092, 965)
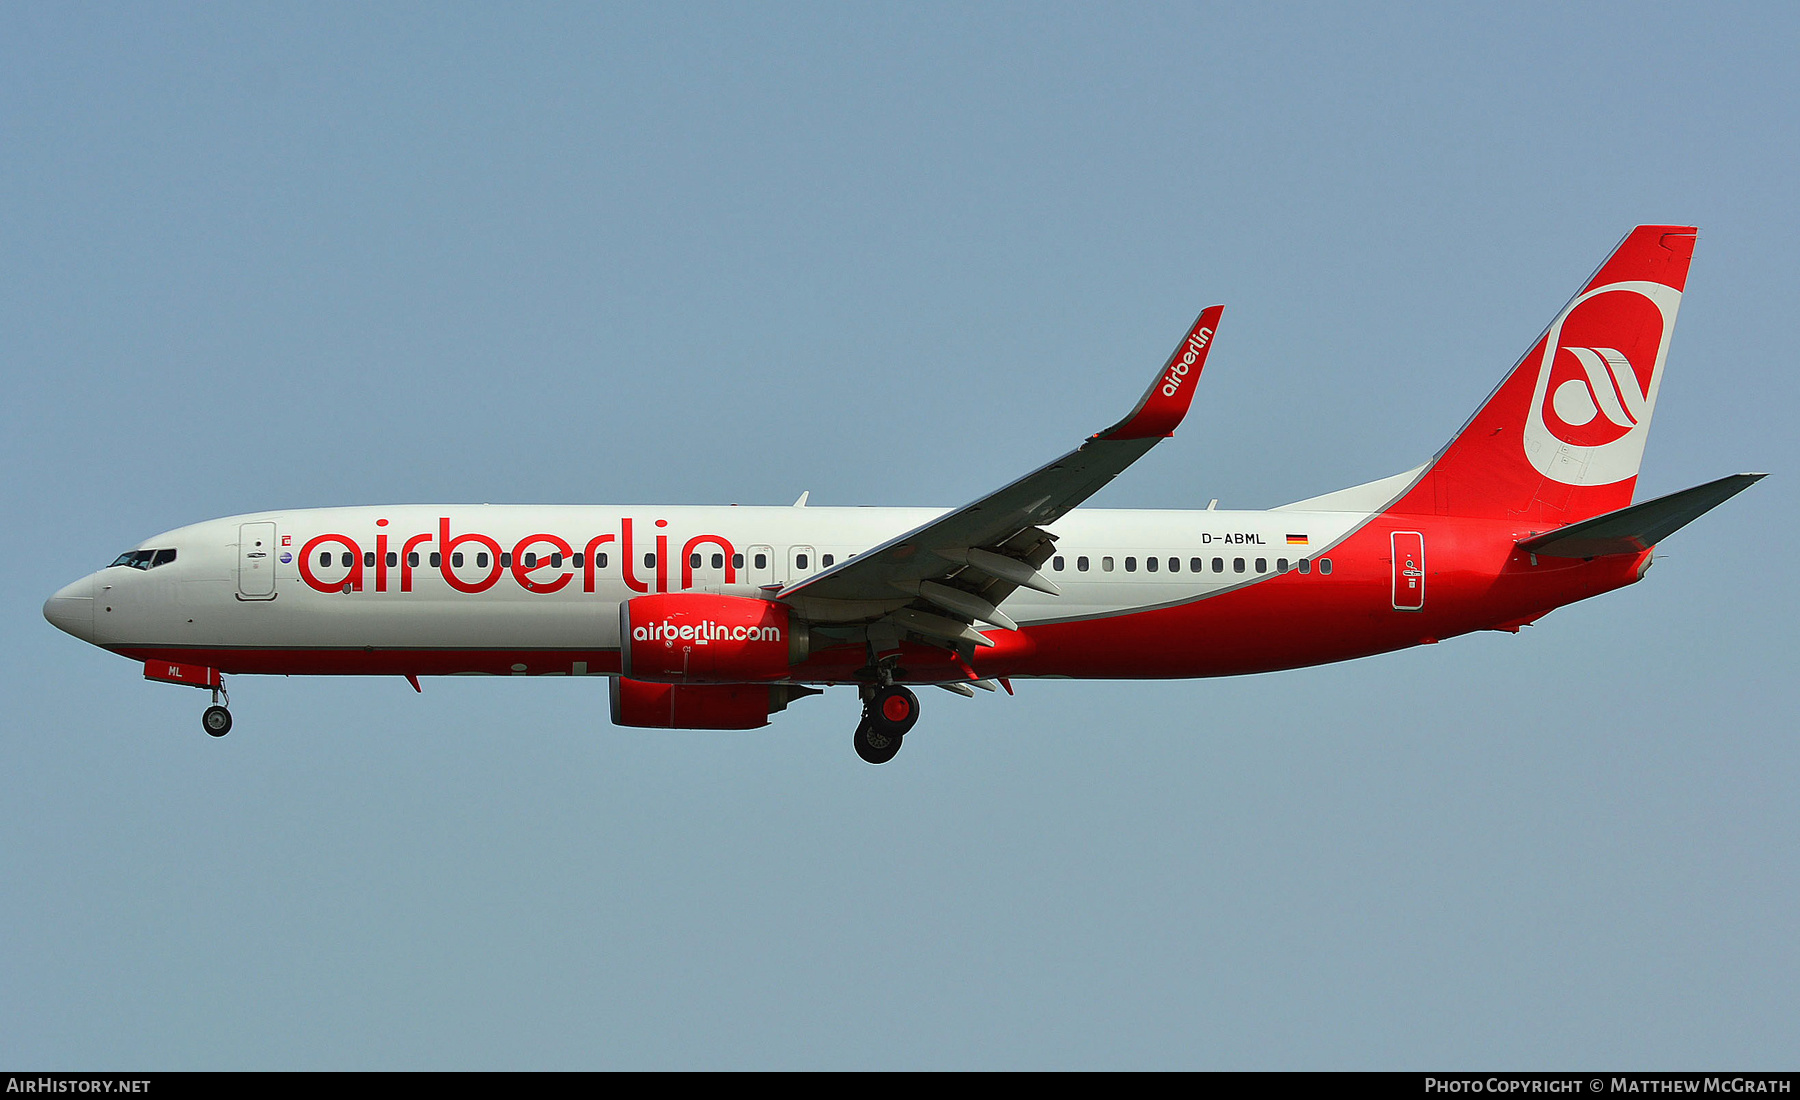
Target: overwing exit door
(759, 565)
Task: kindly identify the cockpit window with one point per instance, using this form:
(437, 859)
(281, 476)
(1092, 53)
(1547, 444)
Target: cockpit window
(144, 559)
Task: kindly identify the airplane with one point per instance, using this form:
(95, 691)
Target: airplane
(717, 618)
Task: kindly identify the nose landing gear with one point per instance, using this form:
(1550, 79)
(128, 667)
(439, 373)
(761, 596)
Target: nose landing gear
(216, 720)
(888, 713)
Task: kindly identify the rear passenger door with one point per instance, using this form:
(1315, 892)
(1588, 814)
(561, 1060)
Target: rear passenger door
(1409, 570)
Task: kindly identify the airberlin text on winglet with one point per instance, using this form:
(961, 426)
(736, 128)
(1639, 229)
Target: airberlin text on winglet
(1166, 402)
(1178, 370)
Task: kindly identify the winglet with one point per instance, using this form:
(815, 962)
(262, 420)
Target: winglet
(1167, 400)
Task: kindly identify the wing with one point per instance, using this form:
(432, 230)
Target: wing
(959, 567)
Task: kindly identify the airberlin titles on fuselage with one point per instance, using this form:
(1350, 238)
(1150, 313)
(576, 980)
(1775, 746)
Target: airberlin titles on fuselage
(554, 570)
(543, 563)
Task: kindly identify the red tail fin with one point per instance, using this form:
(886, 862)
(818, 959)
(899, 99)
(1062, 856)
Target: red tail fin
(1561, 438)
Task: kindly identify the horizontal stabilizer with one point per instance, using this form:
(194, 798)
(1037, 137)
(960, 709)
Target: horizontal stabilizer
(1637, 528)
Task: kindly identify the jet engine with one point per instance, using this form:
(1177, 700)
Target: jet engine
(699, 706)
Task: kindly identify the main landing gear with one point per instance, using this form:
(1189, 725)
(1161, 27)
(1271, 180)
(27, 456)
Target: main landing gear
(888, 713)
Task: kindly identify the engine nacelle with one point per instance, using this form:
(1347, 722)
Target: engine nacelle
(699, 706)
(704, 638)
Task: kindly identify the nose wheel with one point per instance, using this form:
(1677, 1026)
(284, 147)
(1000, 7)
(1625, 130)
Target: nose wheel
(888, 714)
(216, 721)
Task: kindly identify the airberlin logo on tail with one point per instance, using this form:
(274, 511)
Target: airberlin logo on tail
(1179, 368)
(1596, 383)
(1609, 390)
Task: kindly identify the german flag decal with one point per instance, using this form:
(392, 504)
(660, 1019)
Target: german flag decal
(1296, 540)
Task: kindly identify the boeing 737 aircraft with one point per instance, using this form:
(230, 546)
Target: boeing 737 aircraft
(716, 618)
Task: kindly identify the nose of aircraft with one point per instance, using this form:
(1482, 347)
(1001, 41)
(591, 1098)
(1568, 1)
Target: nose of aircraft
(71, 610)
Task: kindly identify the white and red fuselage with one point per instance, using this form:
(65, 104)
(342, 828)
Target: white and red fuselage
(1144, 593)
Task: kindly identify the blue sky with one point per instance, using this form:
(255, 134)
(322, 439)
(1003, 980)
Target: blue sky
(260, 256)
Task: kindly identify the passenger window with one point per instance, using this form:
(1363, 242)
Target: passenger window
(456, 560)
(1196, 565)
(693, 561)
(348, 559)
(599, 560)
(437, 559)
(412, 559)
(393, 559)
(718, 561)
(1325, 566)
(1106, 565)
(1305, 566)
(800, 562)
(737, 561)
(506, 559)
(1237, 565)
(530, 561)
(1056, 563)
(1218, 565)
(1130, 565)
(762, 561)
(324, 557)
(1174, 565)
(556, 561)
(1150, 565)
(827, 559)
(368, 559)
(1262, 565)
(1081, 563)
(481, 560)
(574, 559)
(1281, 565)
